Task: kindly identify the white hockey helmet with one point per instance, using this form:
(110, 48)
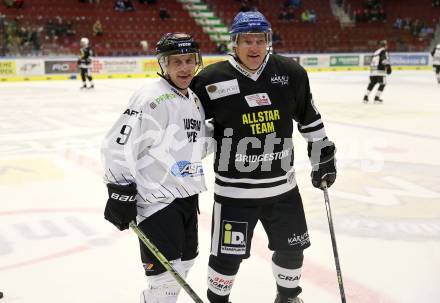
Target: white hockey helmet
(84, 41)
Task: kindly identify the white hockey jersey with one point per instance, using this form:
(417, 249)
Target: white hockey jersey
(158, 143)
(436, 55)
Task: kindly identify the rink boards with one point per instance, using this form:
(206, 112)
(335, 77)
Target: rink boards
(53, 68)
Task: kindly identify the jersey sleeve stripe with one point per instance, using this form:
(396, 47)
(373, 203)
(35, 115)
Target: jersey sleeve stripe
(315, 136)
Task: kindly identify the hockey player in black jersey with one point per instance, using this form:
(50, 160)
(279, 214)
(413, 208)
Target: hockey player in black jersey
(152, 162)
(436, 61)
(253, 99)
(380, 67)
(85, 63)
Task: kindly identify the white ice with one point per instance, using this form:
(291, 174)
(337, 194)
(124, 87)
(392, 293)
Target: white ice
(55, 245)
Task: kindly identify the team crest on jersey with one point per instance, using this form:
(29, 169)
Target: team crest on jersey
(222, 89)
(187, 169)
(283, 80)
(257, 100)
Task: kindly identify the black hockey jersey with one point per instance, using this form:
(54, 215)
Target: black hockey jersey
(253, 118)
(380, 63)
(85, 57)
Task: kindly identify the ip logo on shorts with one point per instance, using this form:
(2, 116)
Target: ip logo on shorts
(234, 237)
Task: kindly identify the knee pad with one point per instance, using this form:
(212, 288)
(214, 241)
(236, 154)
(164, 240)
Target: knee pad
(163, 287)
(221, 276)
(286, 268)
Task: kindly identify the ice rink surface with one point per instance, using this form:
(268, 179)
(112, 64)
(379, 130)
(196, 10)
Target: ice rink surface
(55, 245)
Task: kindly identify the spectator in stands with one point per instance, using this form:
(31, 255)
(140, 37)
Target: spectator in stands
(290, 14)
(144, 46)
(164, 14)
(286, 15)
(35, 40)
(128, 5)
(97, 28)
(2, 21)
(381, 15)
(124, 5)
(276, 38)
(282, 15)
(222, 48)
(295, 3)
(425, 31)
(398, 24)
(312, 16)
(416, 26)
(18, 3)
(14, 3)
(305, 16)
(407, 24)
(69, 30)
(245, 7)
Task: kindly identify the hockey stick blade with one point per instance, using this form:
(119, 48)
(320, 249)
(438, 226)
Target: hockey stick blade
(333, 237)
(156, 252)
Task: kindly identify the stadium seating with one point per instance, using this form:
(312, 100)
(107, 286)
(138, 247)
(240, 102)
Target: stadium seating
(123, 31)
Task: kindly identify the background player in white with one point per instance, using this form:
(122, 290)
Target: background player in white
(436, 61)
(253, 98)
(380, 67)
(85, 63)
(152, 159)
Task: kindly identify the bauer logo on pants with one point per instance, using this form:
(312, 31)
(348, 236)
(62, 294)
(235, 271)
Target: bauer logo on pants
(234, 237)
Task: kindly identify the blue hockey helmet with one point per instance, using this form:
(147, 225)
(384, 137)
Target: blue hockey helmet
(250, 22)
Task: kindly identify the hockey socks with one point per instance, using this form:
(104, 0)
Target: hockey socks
(221, 276)
(286, 268)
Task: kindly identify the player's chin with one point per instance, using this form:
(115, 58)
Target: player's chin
(184, 81)
(254, 62)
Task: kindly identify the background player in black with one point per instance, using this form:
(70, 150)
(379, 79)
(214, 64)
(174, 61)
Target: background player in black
(253, 100)
(436, 61)
(380, 67)
(85, 63)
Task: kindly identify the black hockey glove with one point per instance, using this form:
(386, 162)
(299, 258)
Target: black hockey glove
(121, 205)
(322, 156)
(389, 70)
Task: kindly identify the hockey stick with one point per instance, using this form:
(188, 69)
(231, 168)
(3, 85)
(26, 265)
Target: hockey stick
(335, 248)
(156, 252)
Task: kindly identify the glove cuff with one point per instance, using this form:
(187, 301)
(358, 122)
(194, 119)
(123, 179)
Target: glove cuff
(321, 152)
(122, 193)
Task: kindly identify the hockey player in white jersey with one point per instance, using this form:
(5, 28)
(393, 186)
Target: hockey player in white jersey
(436, 61)
(152, 160)
(380, 67)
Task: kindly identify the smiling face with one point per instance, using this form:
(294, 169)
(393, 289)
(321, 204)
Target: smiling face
(181, 70)
(251, 49)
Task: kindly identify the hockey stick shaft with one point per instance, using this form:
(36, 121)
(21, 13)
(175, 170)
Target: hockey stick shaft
(156, 252)
(333, 237)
